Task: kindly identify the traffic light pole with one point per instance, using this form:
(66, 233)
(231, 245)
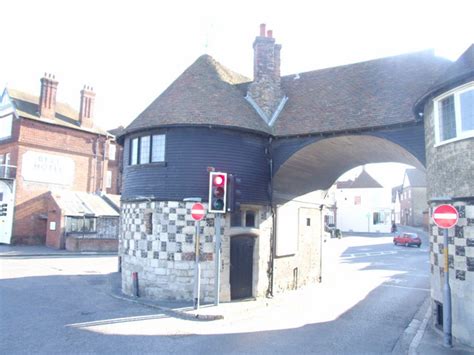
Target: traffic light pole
(197, 269)
(217, 283)
(447, 341)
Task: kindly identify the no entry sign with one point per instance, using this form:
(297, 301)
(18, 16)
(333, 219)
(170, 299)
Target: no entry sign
(445, 216)
(197, 211)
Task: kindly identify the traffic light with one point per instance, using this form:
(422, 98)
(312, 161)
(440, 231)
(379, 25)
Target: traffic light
(217, 192)
(233, 201)
(3, 209)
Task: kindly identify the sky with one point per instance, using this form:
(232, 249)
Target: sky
(130, 51)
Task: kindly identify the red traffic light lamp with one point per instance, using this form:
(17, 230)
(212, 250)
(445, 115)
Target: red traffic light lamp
(217, 192)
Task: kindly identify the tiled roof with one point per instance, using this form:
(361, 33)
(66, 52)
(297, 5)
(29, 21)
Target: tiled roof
(374, 93)
(117, 131)
(416, 177)
(462, 69)
(27, 106)
(396, 191)
(363, 181)
(75, 203)
(205, 94)
(344, 184)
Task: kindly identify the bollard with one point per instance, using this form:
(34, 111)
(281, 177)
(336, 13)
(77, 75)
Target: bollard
(135, 284)
(119, 264)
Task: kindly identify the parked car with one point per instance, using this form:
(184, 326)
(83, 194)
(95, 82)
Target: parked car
(407, 239)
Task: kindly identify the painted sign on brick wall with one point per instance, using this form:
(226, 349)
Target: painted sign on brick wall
(47, 168)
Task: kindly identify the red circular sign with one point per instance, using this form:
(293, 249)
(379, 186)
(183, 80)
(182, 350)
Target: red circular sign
(198, 211)
(445, 216)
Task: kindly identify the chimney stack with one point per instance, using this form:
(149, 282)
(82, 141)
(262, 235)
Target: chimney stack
(265, 90)
(87, 107)
(47, 103)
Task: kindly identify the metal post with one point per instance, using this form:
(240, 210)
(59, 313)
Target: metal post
(197, 270)
(217, 283)
(136, 292)
(447, 341)
(320, 279)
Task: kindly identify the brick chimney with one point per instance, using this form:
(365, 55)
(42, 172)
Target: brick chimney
(47, 102)
(87, 107)
(265, 90)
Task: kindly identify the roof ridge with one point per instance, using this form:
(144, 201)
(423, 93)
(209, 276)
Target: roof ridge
(227, 75)
(368, 61)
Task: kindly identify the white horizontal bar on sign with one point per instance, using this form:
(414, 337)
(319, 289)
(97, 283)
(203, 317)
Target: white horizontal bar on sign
(445, 216)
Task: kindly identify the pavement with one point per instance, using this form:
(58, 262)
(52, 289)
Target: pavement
(41, 250)
(420, 337)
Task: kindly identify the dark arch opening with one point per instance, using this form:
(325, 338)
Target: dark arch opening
(318, 165)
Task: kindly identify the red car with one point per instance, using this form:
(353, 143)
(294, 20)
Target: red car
(407, 239)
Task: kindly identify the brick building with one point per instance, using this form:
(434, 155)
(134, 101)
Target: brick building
(47, 145)
(413, 205)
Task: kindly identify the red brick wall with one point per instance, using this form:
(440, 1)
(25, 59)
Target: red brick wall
(54, 237)
(86, 151)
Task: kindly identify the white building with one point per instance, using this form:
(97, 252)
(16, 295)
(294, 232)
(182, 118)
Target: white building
(363, 205)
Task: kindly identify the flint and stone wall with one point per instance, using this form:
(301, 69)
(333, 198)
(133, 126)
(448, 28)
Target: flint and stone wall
(157, 240)
(163, 254)
(461, 271)
(450, 173)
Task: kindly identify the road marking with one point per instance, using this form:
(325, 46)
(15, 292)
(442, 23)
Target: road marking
(407, 287)
(117, 320)
(374, 253)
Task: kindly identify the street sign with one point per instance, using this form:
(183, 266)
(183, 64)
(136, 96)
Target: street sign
(198, 211)
(445, 216)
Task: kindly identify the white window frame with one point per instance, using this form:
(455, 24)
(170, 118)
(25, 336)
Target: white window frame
(112, 151)
(154, 154)
(457, 113)
(109, 179)
(6, 127)
(134, 149)
(158, 153)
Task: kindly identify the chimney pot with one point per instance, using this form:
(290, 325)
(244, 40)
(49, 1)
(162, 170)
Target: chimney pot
(47, 101)
(266, 89)
(86, 107)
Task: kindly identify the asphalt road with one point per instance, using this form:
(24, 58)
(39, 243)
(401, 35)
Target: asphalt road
(370, 292)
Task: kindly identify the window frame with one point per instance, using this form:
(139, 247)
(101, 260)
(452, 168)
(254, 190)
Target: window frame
(112, 151)
(7, 122)
(460, 134)
(108, 183)
(135, 157)
(81, 221)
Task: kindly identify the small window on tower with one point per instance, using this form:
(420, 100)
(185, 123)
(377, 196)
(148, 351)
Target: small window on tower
(149, 223)
(250, 218)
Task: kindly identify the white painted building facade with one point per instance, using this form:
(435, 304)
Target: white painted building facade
(363, 205)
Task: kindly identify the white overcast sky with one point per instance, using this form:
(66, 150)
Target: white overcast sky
(130, 51)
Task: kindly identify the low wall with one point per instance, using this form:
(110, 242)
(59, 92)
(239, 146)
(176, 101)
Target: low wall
(91, 244)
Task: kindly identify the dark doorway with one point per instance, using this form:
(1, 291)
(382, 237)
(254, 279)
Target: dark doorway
(241, 266)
